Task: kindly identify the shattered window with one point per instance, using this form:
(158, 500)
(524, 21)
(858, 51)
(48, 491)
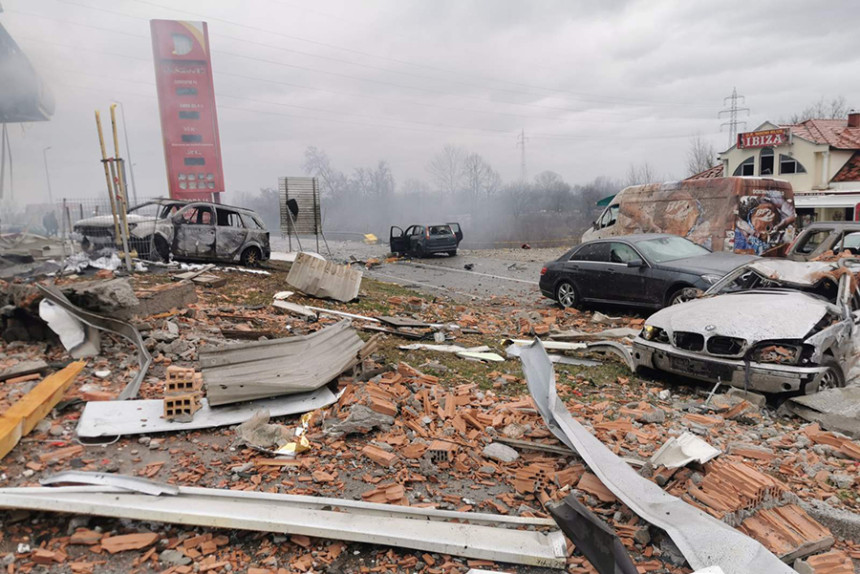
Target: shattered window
(439, 230)
(746, 167)
(851, 241)
(788, 165)
(229, 219)
(810, 242)
(610, 216)
(766, 161)
(592, 252)
(669, 249)
(252, 222)
(621, 253)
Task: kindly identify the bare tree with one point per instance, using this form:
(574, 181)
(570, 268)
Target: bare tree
(836, 109)
(700, 156)
(332, 182)
(479, 178)
(640, 173)
(414, 187)
(446, 169)
(555, 189)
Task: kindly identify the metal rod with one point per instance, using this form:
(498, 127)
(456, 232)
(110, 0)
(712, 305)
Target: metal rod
(128, 151)
(108, 179)
(122, 197)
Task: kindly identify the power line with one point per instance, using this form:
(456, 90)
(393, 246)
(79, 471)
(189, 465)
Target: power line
(592, 98)
(733, 110)
(298, 67)
(291, 84)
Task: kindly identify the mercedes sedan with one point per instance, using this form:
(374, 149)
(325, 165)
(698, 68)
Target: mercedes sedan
(650, 270)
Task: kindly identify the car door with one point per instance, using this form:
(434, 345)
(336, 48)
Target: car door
(195, 232)
(458, 232)
(230, 234)
(416, 238)
(583, 269)
(620, 282)
(397, 240)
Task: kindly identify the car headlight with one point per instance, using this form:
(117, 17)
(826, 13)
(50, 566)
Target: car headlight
(652, 333)
(784, 354)
(711, 278)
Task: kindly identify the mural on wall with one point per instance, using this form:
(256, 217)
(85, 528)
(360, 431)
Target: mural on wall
(765, 219)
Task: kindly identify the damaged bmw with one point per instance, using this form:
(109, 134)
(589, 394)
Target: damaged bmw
(774, 326)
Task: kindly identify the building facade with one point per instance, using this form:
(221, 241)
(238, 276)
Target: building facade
(819, 158)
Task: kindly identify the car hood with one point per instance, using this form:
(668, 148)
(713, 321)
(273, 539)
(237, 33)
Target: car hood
(751, 315)
(107, 220)
(717, 262)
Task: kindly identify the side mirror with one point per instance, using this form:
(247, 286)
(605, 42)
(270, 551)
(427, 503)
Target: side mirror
(635, 263)
(594, 224)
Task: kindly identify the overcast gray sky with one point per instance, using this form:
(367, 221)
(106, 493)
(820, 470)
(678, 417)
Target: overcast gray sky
(596, 85)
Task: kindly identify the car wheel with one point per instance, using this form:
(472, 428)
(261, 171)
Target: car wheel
(251, 257)
(683, 295)
(86, 245)
(565, 294)
(452, 253)
(419, 251)
(833, 377)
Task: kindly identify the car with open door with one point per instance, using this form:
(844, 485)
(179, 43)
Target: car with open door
(651, 270)
(423, 240)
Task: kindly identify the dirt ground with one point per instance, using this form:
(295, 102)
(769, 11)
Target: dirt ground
(631, 413)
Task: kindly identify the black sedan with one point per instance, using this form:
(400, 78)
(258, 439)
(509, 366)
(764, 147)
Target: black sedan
(651, 270)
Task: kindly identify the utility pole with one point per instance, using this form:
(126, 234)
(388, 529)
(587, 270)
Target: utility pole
(733, 110)
(128, 150)
(521, 143)
(48, 176)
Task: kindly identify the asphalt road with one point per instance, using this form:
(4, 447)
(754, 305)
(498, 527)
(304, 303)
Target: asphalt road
(468, 276)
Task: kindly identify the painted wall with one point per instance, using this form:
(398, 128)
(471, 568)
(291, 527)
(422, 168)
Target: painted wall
(820, 161)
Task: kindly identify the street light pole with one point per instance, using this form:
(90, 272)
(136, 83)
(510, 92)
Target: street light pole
(128, 151)
(48, 176)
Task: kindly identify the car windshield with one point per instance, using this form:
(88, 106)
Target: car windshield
(662, 249)
(827, 288)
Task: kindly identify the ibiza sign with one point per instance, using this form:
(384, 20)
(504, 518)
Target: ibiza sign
(764, 138)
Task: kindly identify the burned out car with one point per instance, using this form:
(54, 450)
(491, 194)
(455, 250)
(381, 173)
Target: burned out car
(196, 231)
(771, 325)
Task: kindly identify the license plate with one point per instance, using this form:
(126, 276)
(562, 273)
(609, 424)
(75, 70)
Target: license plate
(702, 368)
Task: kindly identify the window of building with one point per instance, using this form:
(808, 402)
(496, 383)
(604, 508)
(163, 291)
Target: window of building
(189, 115)
(192, 138)
(788, 164)
(194, 161)
(746, 167)
(186, 91)
(766, 161)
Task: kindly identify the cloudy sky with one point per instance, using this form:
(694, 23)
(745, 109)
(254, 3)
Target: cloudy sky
(596, 85)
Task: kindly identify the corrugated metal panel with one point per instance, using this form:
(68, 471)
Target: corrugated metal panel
(324, 279)
(247, 371)
(305, 192)
(704, 540)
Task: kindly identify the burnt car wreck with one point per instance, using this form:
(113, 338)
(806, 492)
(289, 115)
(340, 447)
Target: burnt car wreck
(773, 326)
(194, 231)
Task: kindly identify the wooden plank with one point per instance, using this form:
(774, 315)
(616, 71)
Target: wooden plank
(10, 434)
(25, 414)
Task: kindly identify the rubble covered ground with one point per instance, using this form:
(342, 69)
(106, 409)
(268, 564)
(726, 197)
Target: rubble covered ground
(437, 430)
